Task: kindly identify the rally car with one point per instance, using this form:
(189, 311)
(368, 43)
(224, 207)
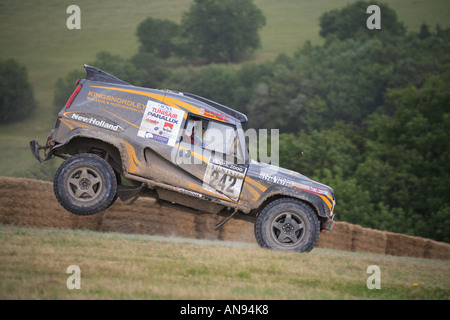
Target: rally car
(123, 141)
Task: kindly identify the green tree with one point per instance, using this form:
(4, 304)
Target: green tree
(258, 106)
(119, 67)
(331, 157)
(223, 29)
(150, 70)
(215, 81)
(16, 94)
(407, 161)
(159, 37)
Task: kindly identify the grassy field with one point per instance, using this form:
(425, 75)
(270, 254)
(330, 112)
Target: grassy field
(34, 262)
(34, 33)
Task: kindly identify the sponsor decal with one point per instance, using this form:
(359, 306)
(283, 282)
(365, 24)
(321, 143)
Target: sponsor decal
(157, 114)
(223, 165)
(168, 125)
(152, 121)
(293, 184)
(94, 120)
(115, 101)
(275, 179)
(213, 115)
(156, 137)
(307, 188)
(191, 193)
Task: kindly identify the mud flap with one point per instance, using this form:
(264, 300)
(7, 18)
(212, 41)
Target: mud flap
(127, 193)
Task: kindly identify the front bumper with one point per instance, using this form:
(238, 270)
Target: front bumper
(328, 224)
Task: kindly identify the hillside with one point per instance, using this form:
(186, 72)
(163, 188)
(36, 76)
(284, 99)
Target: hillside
(35, 34)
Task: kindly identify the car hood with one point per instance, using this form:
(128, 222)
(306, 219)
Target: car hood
(289, 178)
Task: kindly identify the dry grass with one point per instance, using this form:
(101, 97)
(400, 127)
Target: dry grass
(33, 264)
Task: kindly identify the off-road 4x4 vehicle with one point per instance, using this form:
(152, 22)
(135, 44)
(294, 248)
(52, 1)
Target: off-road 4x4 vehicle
(178, 148)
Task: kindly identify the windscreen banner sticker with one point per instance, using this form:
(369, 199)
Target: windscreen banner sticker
(226, 178)
(161, 123)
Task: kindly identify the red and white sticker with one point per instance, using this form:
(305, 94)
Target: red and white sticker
(161, 123)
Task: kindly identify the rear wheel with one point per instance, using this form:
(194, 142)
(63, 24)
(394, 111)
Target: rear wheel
(85, 184)
(287, 224)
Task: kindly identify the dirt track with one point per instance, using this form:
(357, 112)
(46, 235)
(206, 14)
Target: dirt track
(31, 203)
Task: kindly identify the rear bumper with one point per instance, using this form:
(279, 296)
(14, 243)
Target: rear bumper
(36, 148)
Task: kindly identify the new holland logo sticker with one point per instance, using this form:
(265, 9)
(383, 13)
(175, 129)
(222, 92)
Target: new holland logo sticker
(94, 120)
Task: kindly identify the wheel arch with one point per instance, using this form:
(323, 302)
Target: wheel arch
(85, 144)
(313, 201)
(277, 196)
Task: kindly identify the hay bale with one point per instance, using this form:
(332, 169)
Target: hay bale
(31, 203)
(437, 250)
(237, 230)
(340, 238)
(403, 245)
(145, 216)
(368, 240)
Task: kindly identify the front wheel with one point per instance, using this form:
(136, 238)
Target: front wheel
(85, 184)
(287, 224)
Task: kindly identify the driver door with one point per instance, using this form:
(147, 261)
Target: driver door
(211, 151)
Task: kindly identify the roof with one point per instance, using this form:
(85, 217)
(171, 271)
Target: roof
(95, 74)
(235, 114)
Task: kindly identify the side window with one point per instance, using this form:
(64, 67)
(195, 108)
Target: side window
(194, 131)
(214, 136)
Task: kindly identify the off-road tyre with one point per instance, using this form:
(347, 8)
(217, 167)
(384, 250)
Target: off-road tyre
(287, 224)
(85, 184)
